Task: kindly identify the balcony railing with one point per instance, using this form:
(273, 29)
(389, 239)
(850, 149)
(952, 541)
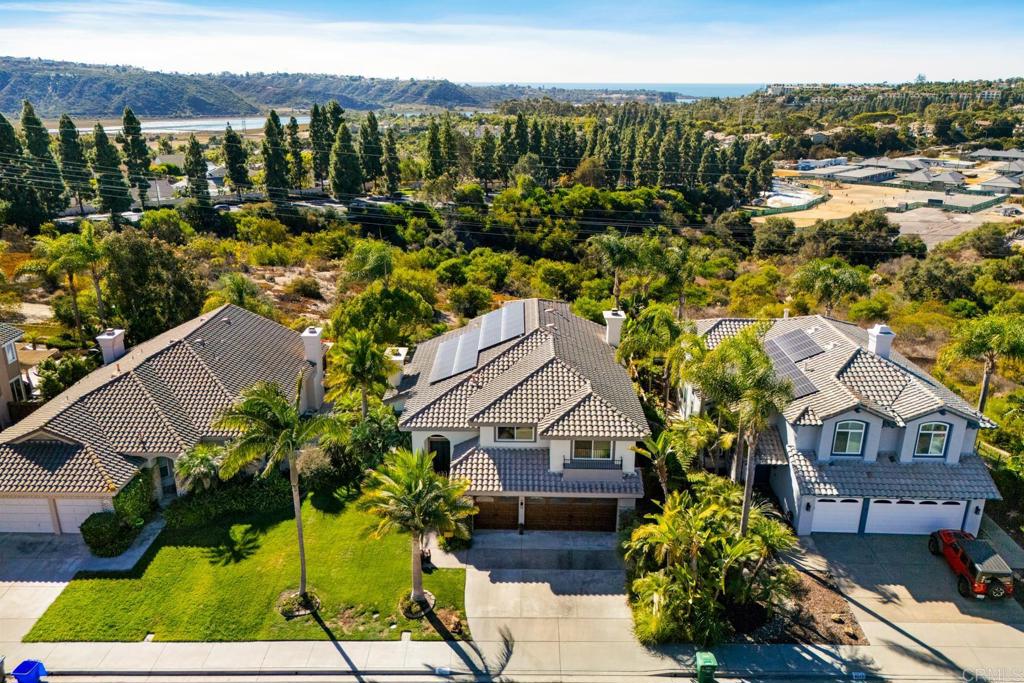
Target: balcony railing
(592, 463)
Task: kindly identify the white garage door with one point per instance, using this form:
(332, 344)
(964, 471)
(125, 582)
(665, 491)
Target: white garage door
(893, 516)
(26, 515)
(73, 512)
(837, 515)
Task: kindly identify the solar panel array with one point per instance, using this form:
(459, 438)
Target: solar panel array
(798, 345)
(785, 367)
(461, 353)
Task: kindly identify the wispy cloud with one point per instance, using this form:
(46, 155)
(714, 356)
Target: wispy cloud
(180, 36)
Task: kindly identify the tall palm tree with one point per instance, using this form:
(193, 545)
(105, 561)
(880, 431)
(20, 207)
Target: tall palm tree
(991, 338)
(616, 254)
(271, 430)
(59, 257)
(659, 450)
(361, 364)
(763, 396)
(93, 254)
(408, 495)
(648, 339)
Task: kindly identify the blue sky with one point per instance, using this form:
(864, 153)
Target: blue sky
(642, 41)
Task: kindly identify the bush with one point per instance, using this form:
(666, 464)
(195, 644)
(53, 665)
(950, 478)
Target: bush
(135, 500)
(317, 471)
(453, 544)
(106, 534)
(263, 494)
(304, 286)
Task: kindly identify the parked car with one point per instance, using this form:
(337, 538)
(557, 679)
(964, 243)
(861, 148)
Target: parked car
(981, 572)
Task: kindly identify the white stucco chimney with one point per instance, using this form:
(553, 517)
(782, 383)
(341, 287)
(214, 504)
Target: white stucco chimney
(880, 340)
(397, 355)
(313, 352)
(111, 343)
(613, 321)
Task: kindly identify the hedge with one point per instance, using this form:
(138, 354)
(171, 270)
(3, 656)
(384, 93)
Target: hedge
(263, 494)
(106, 534)
(135, 500)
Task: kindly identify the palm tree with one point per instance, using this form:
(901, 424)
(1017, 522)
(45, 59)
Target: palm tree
(991, 338)
(93, 254)
(271, 429)
(763, 396)
(648, 339)
(658, 450)
(408, 495)
(362, 364)
(59, 257)
(237, 289)
(616, 254)
(197, 467)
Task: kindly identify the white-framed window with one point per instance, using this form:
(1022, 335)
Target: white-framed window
(849, 438)
(513, 433)
(18, 390)
(931, 440)
(591, 449)
(11, 353)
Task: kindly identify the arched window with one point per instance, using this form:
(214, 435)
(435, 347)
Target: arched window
(849, 438)
(932, 438)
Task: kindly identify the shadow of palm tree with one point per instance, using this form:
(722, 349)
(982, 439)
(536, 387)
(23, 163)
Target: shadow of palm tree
(239, 546)
(337, 646)
(470, 654)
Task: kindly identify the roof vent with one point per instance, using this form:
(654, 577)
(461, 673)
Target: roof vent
(226, 321)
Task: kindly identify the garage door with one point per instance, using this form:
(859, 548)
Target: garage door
(571, 514)
(26, 515)
(497, 513)
(893, 516)
(73, 512)
(837, 515)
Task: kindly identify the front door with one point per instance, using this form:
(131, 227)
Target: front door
(168, 487)
(442, 450)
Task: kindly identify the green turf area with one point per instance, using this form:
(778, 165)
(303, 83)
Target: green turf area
(220, 583)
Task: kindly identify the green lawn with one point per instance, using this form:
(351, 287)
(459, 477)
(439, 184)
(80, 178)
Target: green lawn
(220, 583)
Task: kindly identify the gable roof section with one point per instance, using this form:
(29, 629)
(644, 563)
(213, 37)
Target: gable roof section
(9, 333)
(527, 380)
(160, 398)
(848, 375)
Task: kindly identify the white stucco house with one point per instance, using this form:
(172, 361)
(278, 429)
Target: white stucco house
(529, 404)
(871, 443)
(142, 409)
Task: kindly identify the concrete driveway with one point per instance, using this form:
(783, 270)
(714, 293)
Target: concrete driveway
(34, 569)
(907, 603)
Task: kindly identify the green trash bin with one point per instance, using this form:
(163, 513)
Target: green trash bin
(706, 667)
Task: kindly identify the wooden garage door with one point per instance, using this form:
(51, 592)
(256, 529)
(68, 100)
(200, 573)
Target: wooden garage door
(571, 514)
(497, 513)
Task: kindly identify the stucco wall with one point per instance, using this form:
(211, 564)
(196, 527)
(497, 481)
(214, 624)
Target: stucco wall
(419, 439)
(954, 443)
(871, 437)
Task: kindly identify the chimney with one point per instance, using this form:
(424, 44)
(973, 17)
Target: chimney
(397, 355)
(111, 343)
(613, 327)
(785, 313)
(313, 352)
(880, 340)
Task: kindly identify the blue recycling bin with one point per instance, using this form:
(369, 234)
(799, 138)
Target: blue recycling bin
(29, 671)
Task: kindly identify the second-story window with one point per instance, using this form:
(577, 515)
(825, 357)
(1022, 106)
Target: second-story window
(513, 433)
(592, 450)
(931, 440)
(849, 439)
(11, 353)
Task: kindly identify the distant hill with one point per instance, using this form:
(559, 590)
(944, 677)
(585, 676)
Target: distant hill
(103, 91)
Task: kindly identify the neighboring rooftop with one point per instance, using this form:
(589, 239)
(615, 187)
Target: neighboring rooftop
(558, 372)
(843, 374)
(159, 398)
(9, 333)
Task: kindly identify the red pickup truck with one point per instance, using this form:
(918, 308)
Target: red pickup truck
(981, 572)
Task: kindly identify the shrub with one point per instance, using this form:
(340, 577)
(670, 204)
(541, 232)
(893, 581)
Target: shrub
(106, 534)
(304, 286)
(453, 544)
(469, 300)
(263, 494)
(317, 472)
(135, 500)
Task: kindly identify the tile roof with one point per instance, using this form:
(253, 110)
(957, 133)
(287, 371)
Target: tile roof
(536, 378)
(886, 479)
(847, 375)
(525, 470)
(9, 333)
(770, 450)
(160, 398)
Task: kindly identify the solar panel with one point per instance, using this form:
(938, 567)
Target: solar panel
(490, 329)
(513, 319)
(786, 368)
(465, 355)
(444, 360)
(798, 345)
